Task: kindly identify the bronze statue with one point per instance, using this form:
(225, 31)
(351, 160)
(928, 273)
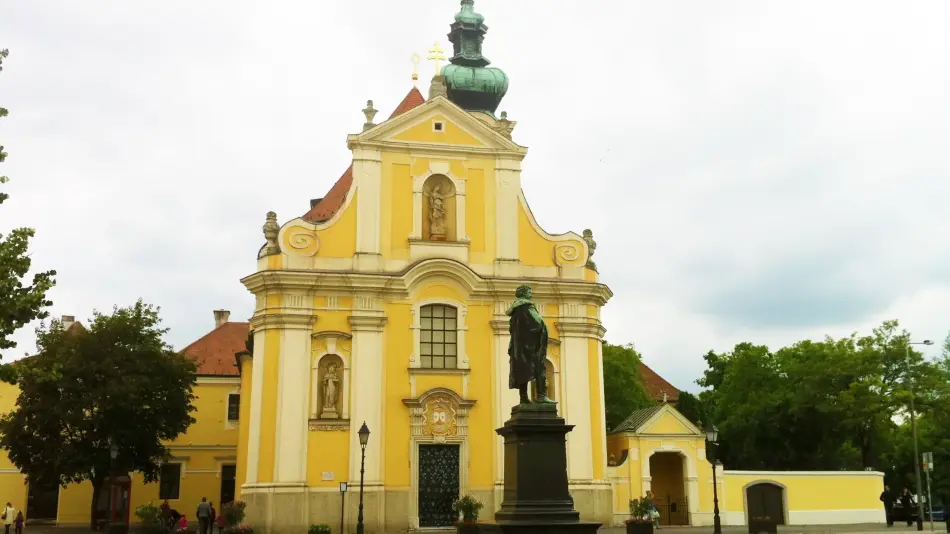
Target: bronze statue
(528, 347)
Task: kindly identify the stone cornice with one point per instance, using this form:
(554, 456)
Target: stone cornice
(397, 285)
(331, 334)
(367, 323)
(283, 321)
(581, 329)
(500, 326)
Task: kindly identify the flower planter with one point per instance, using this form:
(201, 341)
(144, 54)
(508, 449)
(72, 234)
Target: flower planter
(639, 527)
(467, 528)
(762, 525)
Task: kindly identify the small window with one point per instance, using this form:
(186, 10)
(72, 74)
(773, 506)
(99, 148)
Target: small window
(169, 481)
(439, 337)
(438, 126)
(234, 407)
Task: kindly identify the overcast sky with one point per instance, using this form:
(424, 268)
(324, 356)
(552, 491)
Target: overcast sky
(752, 171)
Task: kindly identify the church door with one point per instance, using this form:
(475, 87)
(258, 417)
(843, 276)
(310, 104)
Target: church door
(438, 484)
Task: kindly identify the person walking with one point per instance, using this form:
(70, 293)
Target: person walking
(8, 516)
(204, 515)
(907, 503)
(19, 522)
(214, 517)
(888, 499)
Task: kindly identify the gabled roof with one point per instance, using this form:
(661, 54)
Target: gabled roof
(656, 385)
(214, 352)
(326, 208)
(637, 419)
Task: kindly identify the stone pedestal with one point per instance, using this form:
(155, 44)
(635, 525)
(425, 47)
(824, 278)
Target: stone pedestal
(536, 498)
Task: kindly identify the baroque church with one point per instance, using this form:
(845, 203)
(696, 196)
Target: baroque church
(385, 304)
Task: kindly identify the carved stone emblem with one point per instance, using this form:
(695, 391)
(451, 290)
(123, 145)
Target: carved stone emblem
(439, 418)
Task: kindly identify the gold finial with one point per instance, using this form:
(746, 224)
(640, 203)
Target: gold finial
(415, 68)
(437, 55)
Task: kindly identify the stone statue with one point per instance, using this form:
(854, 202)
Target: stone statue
(591, 247)
(330, 382)
(437, 212)
(528, 348)
(271, 229)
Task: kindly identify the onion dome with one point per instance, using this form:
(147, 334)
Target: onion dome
(470, 82)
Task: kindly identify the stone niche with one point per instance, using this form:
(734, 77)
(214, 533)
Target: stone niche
(439, 209)
(329, 400)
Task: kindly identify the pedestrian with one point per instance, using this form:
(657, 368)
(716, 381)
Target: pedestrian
(214, 516)
(19, 522)
(907, 503)
(8, 516)
(888, 499)
(654, 513)
(204, 515)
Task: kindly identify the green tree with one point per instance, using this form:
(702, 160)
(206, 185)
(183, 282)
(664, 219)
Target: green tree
(116, 383)
(623, 385)
(19, 304)
(692, 408)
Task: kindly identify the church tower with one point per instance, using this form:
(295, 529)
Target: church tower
(385, 303)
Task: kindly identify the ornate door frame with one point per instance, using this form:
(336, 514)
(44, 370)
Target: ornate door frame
(437, 417)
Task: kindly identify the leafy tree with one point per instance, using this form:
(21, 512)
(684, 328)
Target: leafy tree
(826, 404)
(692, 408)
(19, 304)
(623, 385)
(116, 383)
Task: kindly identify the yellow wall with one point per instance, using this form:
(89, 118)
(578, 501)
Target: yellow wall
(12, 483)
(811, 491)
(245, 415)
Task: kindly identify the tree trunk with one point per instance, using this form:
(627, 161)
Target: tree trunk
(96, 490)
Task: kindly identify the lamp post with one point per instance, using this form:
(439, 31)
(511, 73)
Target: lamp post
(913, 426)
(712, 436)
(113, 454)
(364, 439)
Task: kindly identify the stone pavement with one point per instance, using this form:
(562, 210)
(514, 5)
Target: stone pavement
(873, 528)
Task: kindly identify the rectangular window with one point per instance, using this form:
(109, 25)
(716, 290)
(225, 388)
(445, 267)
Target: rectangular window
(234, 407)
(438, 337)
(169, 481)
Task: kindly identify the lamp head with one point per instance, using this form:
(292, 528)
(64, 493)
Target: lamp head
(364, 435)
(712, 434)
(113, 451)
(926, 342)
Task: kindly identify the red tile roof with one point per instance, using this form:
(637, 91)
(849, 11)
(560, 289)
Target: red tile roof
(215, 351)
(333, 201)
(656, 385)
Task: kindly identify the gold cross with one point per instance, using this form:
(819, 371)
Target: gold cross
(415, 68)
(437, 55)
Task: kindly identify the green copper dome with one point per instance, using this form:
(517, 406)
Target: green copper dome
(469, 81)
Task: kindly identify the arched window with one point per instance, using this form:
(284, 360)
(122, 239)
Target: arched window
(438, 343)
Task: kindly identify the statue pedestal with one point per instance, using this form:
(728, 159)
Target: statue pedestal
(536, 498)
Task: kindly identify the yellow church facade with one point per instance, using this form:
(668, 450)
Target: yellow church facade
(399, 298)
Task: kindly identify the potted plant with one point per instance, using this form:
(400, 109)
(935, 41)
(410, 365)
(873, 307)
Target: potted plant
(231, 519)
(640, 521)
(762, 525)
(322, 528)
(467, 507)
(150, 519)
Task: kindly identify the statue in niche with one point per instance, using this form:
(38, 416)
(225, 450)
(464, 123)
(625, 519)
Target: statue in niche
(330, 387)
(437, 211)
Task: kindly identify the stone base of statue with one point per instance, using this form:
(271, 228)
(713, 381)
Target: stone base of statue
(329, 413)
(536, 498)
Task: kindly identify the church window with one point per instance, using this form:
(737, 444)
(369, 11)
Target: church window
(234, 406)
(438, 126)
(438, 348)
(169, 481)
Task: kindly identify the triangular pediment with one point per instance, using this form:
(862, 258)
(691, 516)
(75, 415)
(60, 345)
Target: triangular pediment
(438, 123)
(669, 422)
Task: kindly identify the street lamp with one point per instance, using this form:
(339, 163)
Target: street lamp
(913, 426)
(712, 436)
(364, 439)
